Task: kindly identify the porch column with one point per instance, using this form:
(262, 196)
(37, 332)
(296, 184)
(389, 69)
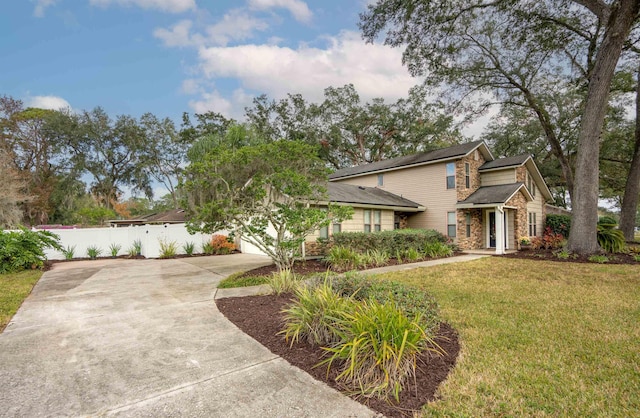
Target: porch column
(500, 230)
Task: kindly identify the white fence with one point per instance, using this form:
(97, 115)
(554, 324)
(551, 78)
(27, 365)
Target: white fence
(149, 235)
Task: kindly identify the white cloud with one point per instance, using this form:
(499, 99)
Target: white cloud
(231, 107)
(47, 102)
(375, 70)
(178, 35)
(297, 8)
(236, 25)
(41, 6)
(171, 6)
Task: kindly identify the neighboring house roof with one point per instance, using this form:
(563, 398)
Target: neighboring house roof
(173, 216)
(494, 195)
(369, 196)
(508, 162)
(456, 151)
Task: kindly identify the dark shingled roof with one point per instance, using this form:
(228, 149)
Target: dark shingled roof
(347, 193)
(172, 216)
(493, 194)
(423, 157)
(516, 161)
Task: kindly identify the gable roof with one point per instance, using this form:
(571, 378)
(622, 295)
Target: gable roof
(494, 195)
(430, 157)
(515, 161)
(369, 196)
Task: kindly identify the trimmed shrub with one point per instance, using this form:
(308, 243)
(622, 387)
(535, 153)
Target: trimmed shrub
(221, 244)
(608, 221)
(558, 224)
(411, 300)
(24, 249)
(389, 241)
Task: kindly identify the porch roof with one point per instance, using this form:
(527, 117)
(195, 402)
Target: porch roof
(494, 195)
(370, 196)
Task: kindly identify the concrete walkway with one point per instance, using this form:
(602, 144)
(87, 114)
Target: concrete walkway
(144, 338)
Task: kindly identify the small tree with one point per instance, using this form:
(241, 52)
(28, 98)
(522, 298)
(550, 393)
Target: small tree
(268, 193)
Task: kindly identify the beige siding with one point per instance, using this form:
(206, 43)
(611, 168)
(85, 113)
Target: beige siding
(494, 178)
(356, 224)
(425, 185)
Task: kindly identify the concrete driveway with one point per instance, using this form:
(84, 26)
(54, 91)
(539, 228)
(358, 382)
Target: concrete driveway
(144, 338)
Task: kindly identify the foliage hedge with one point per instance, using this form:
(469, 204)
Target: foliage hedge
(559, 224)
(24, 249)
(389, 241)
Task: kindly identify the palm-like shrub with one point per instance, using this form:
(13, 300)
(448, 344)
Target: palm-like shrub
(378, 257)
(114, 249)
(610, 239)
(168, 249)
(378, 349)
(189, 248)
(437, 249)
(315, 315)
(343, 258)
(93, 252)
(69, 252)
(24, 249)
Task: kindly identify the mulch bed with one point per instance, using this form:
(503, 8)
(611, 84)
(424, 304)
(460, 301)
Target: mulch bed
(551, 255)
(261, 318)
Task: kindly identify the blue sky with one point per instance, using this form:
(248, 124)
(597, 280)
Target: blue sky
(172, 56)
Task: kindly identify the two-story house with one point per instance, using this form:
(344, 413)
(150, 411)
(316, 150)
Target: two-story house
(462, 191)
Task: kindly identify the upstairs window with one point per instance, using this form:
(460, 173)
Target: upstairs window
(367, 220)
(337, 228)
(324, 232)
(467, 175)
(531, 185)
(451, 175)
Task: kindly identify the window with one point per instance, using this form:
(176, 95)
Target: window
(467, 175)
(367, 220)
(451, 175)
(377, 220)
(531, 185)
(324, 232)
(467, 218)
(337, 228)
(377, 224)
(380, 180)
(533, 228)
(451, 224)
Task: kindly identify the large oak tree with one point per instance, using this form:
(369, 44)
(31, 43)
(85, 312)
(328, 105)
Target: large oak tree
(503, 48)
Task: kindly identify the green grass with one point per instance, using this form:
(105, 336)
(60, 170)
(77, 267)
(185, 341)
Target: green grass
(235, 280)
(14, 288)
(537, 339)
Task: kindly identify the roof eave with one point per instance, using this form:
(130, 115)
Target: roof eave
(441, 160)
(374, 206)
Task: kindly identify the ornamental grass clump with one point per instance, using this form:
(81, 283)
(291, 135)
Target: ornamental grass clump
(343, 258)
(168, 249)
(378, 349)
(283, 281)
(315, 315)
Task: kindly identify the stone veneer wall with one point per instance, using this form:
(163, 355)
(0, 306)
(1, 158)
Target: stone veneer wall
(521, 174)
(521, 221)
(475, 160)
(475, 241)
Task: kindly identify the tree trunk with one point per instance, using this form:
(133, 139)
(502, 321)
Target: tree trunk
(583, 238)
(632, 188)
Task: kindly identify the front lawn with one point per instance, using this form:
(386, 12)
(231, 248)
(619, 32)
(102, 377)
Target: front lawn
(538, 338)
(14, 288)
